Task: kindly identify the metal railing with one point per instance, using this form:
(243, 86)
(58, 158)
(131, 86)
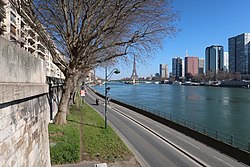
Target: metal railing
(215, 134)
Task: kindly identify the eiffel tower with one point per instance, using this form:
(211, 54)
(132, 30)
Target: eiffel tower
(134, 75)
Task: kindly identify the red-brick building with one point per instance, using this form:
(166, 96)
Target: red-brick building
(191, 66)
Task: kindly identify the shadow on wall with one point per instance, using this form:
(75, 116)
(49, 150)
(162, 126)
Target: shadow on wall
(54, 95)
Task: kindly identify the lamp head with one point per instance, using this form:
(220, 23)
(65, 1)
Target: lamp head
(117, 71)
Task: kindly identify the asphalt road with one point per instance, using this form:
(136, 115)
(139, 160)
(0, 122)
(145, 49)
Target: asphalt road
(155, 144)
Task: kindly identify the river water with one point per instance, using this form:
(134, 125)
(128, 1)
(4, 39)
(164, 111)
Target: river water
(224, 109)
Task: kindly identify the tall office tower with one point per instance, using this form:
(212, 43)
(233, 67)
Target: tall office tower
(163, 71)
(201, 65)
(226, 61)
(239, 53)
(191, 66)
(177, 67)
(214, 59)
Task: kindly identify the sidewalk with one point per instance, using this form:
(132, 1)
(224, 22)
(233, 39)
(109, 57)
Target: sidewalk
(81, 164)
(130, 163)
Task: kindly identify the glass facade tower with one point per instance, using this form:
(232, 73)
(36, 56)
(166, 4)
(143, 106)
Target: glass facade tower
(214, 58)
(239, 53)
(177, 67)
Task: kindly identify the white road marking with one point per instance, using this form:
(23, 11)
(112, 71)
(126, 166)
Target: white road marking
(189, 143)
(163, 129)
(222, 161)
(168, 143)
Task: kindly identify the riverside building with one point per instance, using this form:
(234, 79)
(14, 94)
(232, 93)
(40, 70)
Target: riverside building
(163, 71)
(226, 62)
(14, 28)
(214, 58)
(239, 53)
(191, 66)
(177, 68)
(201, 66)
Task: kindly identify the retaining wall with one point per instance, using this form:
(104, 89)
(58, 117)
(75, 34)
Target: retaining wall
(24, 108)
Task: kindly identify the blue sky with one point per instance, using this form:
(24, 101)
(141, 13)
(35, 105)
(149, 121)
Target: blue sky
(203, 23)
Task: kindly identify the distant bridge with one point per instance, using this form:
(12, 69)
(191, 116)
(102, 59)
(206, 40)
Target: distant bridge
(131, 82)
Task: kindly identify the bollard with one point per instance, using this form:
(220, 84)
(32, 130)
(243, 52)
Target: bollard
(217, 135)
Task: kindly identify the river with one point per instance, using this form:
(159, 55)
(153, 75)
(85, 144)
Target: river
(224, 109)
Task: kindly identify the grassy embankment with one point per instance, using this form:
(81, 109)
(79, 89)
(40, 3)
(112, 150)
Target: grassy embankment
(97, 143)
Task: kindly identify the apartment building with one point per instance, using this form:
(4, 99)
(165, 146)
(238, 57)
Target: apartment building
(163, 71)
(191, 66)
(2, 16)
(17, 31)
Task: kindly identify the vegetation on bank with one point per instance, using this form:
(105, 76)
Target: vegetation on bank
(65, 140)
(98, 143)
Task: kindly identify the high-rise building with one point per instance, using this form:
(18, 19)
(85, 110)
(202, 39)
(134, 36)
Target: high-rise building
(214, 58)
(226, 61)
(201, 65)
(191, 66)
(177, 67)
(163, 71)
(239, 53)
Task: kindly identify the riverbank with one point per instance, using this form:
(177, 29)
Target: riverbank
(85, 142)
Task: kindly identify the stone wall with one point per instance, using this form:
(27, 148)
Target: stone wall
(24, 109)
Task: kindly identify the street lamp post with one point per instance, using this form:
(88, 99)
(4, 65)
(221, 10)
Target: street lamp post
(114, 71)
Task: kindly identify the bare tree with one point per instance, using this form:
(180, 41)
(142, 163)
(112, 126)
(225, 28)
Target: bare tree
(91, 32)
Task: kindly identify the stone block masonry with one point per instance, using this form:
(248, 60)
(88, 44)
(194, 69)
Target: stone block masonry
(24, 109)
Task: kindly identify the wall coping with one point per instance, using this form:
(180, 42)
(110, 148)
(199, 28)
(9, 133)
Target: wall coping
(16, 91)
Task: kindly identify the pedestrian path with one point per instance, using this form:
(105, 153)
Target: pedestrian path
(80, 164)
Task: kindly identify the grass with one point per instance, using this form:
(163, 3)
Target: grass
(65, 140)
(98, 143)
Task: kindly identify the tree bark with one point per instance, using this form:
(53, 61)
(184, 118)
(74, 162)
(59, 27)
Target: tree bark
(63, 107)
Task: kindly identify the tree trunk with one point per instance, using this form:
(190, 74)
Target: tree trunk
(63, 107)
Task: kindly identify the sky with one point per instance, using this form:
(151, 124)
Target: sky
(202, 23)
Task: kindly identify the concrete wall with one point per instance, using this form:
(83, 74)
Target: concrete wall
(24, 109)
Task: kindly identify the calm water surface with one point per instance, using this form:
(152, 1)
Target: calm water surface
(223, 109)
